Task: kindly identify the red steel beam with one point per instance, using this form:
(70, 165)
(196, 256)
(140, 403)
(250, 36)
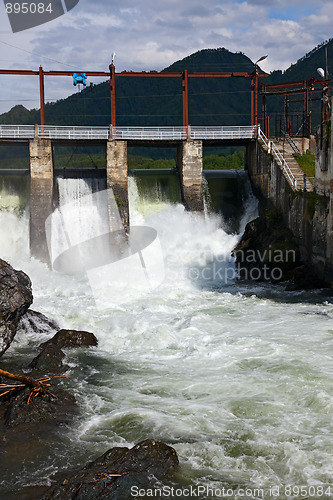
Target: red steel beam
(149, 74)
(252, 99)
(129, 73)
(18, 72)
(41, 96)
(312, 81)
(185, 98)
(112, 75)
(113, 94)
(226, 75)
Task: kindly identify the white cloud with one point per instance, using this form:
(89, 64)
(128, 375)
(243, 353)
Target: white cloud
(152, 35)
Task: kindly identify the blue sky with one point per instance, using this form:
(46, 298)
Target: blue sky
(152, 34)
(291, 13)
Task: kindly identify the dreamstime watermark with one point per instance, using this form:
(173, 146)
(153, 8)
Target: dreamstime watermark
(86, 237)
(24, 15)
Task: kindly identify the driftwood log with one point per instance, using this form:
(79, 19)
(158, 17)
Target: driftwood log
(37, 386)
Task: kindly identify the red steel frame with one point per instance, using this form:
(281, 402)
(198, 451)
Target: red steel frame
(285, 89)
(152, 74)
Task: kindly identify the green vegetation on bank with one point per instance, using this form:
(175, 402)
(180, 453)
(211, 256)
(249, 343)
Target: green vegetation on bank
(86, 160)
(307, 163)
(234, 161)
(150, 163)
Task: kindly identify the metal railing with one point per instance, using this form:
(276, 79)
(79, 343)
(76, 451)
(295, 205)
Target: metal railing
(226, 132)
(17, 131)
(279, 157)
(127, 133)
(73, 133)
(291, 143)
(149, 133)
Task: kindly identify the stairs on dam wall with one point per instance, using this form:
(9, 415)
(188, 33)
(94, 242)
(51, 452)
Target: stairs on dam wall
(289, 153)
(285, 155)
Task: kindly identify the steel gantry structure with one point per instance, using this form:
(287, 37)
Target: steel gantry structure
(112, 75)
(305, 87)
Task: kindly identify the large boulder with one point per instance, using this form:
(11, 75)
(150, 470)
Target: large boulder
(49, 361)
(36, 322)
(119, 473)
(30, 434)
(15, 298)
(71, 338)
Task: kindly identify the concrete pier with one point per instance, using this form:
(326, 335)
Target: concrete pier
(41, 195)
(116, 178)
(189, 164)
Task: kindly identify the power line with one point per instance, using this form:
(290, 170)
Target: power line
(35, 54)
(148, 96)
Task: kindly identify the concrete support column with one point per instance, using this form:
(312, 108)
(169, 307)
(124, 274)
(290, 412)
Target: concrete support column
(189, 164)
(41, 195)
(116, 176)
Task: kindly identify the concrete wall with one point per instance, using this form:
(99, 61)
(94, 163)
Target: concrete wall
(308, 215)
(324, 157)
(41, 195)
(116, 175)
(324, 160)
(189, 164)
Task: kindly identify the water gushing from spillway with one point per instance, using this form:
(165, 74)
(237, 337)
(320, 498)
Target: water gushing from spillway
(237, 377)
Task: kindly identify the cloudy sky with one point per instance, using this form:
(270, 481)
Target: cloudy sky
(152, 34)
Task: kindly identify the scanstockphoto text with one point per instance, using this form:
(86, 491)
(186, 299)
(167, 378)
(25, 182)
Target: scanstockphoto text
(320, 491)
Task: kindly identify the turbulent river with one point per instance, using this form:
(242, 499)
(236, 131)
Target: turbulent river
(238, 378)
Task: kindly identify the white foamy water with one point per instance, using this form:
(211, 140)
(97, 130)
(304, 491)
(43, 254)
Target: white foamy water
(238, 378)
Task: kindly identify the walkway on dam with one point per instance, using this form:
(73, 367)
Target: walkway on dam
(239, 134)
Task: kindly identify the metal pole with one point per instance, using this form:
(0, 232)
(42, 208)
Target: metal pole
(306, 132)
(41, 96)
(252, 99)
(185, 97)
(113, 94)
(256, 98)
(264, 112)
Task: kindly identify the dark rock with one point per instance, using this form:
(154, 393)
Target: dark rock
(36, 322)
(268, 250)
(72, 338)
(140, 466)
(43, 409)
(30, 434)
(49, 361)
(15, 299)
(303, 279)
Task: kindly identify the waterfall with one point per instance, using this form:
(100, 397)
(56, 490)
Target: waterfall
(14, 217)
(218, 369)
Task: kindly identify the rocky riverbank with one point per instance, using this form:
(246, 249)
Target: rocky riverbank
(268, 252)
(29, 426)
(15, 299)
